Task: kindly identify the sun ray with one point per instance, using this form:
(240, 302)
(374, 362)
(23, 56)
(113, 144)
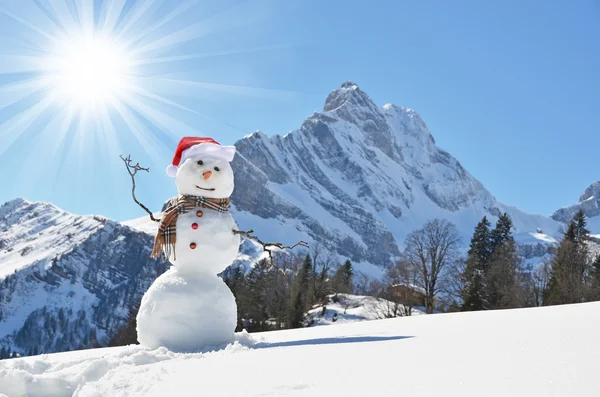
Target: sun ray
(29, 24)
(110, 139)
(142, 134)
(171, 85)
(44, 139)
(138, 11)
(233, 17)
(167, 18)
(11, 64)
(63, 14)
(85, 10)
(164, 120)
(15, 92)
(12, 128)
(152, 61)
(112, 13)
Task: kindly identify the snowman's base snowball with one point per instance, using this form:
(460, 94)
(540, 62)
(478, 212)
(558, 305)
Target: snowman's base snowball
(187, 312)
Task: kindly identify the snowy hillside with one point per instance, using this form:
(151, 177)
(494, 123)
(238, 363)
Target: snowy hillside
(357, 179)
(67, 281)
(550, 351)
(346, 308)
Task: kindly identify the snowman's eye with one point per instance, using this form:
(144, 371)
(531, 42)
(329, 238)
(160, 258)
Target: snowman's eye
(217, 169)
(200, 162)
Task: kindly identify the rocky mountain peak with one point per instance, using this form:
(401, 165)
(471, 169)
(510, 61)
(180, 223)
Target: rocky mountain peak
(589, 202)
(592, 192)
(348, 95)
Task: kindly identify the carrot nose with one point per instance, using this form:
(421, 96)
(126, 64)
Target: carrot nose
(207, 174)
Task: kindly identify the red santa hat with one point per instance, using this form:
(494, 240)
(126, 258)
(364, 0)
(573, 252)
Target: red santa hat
(199, 147)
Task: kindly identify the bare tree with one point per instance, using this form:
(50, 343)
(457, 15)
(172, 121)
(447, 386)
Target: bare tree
(453, 285)
(540, 280)
(428, 251)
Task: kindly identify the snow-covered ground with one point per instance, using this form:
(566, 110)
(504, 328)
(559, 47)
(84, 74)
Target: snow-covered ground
(551, 351)
(346, 308)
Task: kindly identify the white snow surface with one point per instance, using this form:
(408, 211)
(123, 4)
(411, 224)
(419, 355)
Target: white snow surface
(347, 308)
(550, 351)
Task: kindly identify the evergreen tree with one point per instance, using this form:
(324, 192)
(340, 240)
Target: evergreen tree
(595, 279)
(569, 265)
(127, 334)
(582, 234)
(481, 245)
(474, 293)
(300, 292)
(342, 278)
(502, 269)
(502, 232)
(254, 307)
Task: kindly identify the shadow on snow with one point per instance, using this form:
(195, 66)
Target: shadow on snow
(328, 341)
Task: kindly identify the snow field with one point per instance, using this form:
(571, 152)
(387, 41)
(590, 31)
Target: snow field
(550, 351)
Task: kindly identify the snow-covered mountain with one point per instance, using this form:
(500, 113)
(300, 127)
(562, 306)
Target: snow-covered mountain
(67, 281)
(589, 202)
(357, 178)
(467, 354)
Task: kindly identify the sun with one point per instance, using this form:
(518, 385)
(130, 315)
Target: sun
(83, 81)
(89, 72)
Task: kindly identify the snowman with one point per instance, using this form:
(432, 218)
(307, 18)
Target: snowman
(189, 307)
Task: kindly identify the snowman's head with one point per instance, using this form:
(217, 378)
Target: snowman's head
(202, 175)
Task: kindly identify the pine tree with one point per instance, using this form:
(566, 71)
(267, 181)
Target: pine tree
(502, 232)
(595, 279)
(474, 293)
(481, 245)
(254, 306)
(569, 265)
(127, 334)
(582, 234)
(342, 278)
(502, 269)
(300, 292)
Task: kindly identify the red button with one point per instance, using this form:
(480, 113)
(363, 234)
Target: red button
(194, 226)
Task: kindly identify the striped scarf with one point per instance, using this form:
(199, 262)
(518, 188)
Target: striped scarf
(167, 235)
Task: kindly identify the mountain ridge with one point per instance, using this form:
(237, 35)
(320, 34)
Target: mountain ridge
(357, 178)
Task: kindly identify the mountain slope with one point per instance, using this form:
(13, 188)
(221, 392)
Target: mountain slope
(589, 202)
(67, 281)
(356, 179)
(464, 354)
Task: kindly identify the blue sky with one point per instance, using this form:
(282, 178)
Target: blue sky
(510, 88)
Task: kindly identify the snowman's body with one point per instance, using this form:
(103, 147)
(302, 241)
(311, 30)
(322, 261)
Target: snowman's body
(189, 307)
(211, 233)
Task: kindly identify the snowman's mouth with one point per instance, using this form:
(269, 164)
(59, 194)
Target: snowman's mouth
(202, 188)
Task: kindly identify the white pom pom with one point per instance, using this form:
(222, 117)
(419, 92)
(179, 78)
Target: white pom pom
(172, 170)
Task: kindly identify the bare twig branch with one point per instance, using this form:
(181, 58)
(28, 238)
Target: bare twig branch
(132, 170)
(268, 247)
